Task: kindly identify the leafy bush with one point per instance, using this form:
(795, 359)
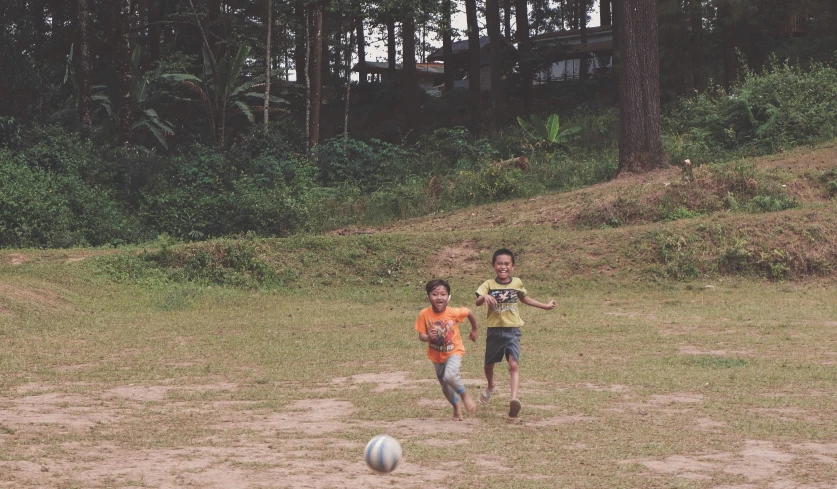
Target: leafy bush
(10, 132)
(223, 263)
(447, 150)
(370, 165)
(675, 255)
(39, 208)
(782, 107)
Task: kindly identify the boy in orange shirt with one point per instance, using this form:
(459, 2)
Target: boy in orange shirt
(438, 326)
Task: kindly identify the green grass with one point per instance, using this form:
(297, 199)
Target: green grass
(681, 355)
(616, 379)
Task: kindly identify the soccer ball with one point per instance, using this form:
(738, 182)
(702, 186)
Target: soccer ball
(383, 453)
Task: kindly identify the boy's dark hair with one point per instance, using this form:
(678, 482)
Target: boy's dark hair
(435, 283)
(502, 251)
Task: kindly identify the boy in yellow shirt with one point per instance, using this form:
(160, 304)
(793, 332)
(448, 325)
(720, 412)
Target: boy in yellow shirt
(502, 338)
(438, 326)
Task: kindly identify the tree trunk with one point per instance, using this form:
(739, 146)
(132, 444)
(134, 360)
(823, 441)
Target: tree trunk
(698, 61)
(348, 83)
(391, 54)
(524, 47)
(154, 29)
(301, 48)
(268, 22)
(140, 33)
(123, 69)
(447, 44)
(615, 59)
(409, 79)
(507, 6)
(474, 60)
(584, 62)
(727, 21)
(640, 137)
(361, 52)
(604, 13)
(38, 23)
(678, 43)
(316, 76)
(307, 73)
(85, 103)
(492, 18)
(214, 26)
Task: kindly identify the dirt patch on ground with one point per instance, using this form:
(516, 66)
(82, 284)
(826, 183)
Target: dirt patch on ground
(383, 381)
(761, 464)
(693, 350)
(35, 298)
(16, 258)
(461, 258)
(311, 443)
(81, 435)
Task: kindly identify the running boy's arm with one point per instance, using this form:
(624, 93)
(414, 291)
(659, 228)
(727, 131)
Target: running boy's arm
(484, 297)
(473, 320)
(540, 305)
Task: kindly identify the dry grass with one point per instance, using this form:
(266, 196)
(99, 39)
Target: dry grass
(716, 382)
(622, 387)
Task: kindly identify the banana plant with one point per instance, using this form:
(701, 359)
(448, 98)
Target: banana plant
(220, 88)
(145, 95)
(546, 132)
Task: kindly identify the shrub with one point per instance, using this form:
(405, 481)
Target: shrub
(223, 263)
(39, 208)
(10, 132)
(446, 150)
(781, 107)
(343, 160)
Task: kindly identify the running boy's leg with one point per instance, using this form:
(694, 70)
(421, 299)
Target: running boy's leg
(450, 378)
(495, 350)
(514, 376)
(489, 376)
(447, 389)
(513, 357)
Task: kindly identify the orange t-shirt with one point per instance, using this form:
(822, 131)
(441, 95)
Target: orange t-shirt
(446, 323)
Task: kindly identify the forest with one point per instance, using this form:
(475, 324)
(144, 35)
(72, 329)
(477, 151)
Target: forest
(127, 120)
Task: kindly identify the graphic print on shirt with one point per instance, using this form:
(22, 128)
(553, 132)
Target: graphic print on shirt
(506, 299)
(441, 334)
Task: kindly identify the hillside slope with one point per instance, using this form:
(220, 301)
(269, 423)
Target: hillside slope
(800, 168)
(664, 225)
(721, 221)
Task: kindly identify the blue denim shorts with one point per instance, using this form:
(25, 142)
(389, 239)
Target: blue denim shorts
(501, 343)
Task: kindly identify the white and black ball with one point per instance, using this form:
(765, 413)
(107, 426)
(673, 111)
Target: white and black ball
(383, 453)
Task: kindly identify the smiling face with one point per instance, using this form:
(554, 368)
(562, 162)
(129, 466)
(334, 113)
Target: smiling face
(439, 298)
(503, 267)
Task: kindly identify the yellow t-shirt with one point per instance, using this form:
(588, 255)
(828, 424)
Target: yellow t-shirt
(506, 314)
(446, 325)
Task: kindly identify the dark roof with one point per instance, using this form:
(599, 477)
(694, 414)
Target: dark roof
(421, 68)
(568, 45)
(558, 35)
(459, 47)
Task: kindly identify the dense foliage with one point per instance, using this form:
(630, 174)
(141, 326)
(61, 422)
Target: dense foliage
(164, 138)
(61, 189)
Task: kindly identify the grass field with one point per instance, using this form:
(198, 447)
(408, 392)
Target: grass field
(631, 382)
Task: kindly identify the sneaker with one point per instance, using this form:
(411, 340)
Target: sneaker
(485, 396)
(514, 408)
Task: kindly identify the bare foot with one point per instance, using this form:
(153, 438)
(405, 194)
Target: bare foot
(457, 411)
(514, 408)
(470, 405)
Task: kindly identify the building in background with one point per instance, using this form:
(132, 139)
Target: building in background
(562, 53)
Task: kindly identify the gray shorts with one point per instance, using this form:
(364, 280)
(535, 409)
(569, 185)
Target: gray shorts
(501, 343)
